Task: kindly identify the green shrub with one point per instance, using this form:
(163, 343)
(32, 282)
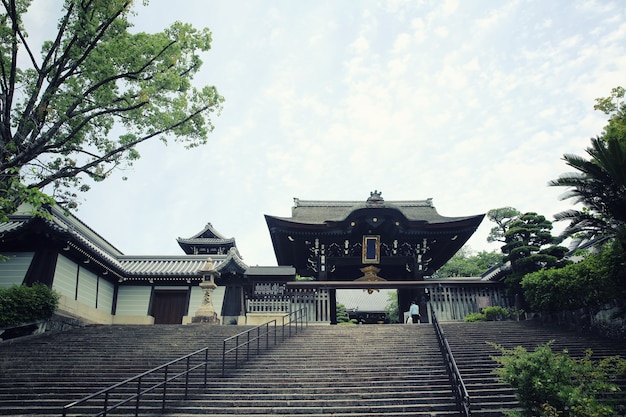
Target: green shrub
(342, 314)
(475, 317)
(21, 304)
(495, 313)
(552, 384)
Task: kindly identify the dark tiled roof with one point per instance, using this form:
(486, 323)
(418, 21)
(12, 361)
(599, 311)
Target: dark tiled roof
(319, 212)
(206, 241)
(82, 238)
(163, 265)
(231, 263)
(15, 223)
(208, 232)
(206, 238)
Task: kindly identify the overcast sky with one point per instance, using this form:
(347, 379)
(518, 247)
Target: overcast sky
(472, 103)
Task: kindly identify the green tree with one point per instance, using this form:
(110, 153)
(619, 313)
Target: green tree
(465, 263)
(598, 278)
(600, 185)
(392, 308)
(342, 314)
(615, 107)
(599, 182)
(78, 110)
(529, 247)
(502, 217)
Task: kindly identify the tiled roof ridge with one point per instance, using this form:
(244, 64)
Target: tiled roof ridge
(94, 246)
(351, 203)
(70, 222)
(206, 240)
(208, 228)
(233, 256)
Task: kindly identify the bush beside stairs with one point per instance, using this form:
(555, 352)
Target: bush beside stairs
(472, 353)
(368, 370)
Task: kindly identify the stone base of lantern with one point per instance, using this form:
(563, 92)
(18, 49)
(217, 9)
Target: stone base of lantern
(205, 314)
(205, 319)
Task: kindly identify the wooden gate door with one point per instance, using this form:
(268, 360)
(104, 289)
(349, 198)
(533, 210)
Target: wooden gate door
(169, 307)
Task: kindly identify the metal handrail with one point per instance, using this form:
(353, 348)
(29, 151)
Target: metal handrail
(458, 386)
(140, 390)
(263, 333)
(161, 376)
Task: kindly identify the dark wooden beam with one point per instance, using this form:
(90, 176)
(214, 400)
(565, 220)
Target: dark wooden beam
(385, 284)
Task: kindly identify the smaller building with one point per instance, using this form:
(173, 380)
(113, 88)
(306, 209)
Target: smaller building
(98, 283)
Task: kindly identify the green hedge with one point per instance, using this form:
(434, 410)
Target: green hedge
(21, 304)
(494, 313)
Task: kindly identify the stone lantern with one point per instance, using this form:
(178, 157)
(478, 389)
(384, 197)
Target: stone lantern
(206, 313)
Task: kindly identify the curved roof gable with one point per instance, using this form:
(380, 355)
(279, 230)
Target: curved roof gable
(76, 236)
(321, 212)
(208, 240)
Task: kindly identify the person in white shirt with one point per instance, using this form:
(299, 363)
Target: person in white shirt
(414, 312)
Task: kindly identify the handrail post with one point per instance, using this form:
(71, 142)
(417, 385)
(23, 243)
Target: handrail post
(164, 389)
(282, 330)
(187, 379)
(223, 362)
(206, 365)
(106, 404)
(138, 397)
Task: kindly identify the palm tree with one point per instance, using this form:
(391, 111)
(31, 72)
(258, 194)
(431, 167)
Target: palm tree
(600, 185)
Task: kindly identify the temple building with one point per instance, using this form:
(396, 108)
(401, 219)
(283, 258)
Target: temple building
(376, 244)
(333, 240)
(325, 246)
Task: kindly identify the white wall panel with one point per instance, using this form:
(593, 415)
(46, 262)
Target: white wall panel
(65, 277)
(105, 295)
(133, 300)
(87, 287)
(13, 270)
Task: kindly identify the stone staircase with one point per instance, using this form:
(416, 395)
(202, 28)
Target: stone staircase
(390, 370)
(40, 374)
(490, 397)
(369, 370)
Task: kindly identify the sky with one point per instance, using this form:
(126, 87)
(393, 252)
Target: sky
(472, 103)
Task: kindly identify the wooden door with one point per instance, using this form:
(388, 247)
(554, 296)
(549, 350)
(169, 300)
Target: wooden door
(169, 306)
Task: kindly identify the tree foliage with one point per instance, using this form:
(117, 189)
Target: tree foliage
(598, 278)
(529, 247)
(464, 263)
(550, 384)
(392, 308)
(599, 182)
(76, 107)
(615, 107)
(342, 314)
(502, 217)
